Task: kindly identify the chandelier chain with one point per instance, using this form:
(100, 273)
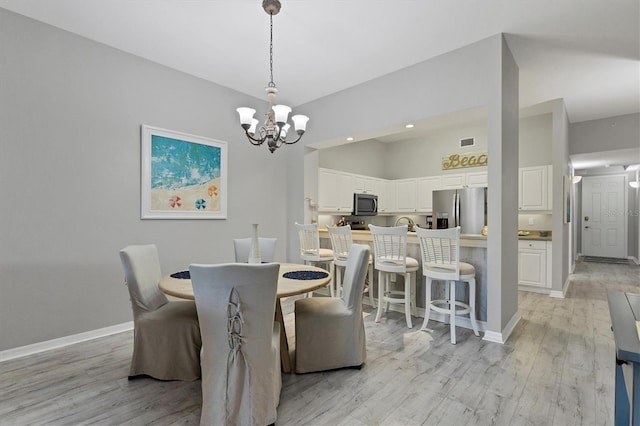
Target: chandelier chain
(271, 83)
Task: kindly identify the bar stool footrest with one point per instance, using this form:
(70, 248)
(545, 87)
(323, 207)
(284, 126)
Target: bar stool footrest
(388, 296)
(466, 309)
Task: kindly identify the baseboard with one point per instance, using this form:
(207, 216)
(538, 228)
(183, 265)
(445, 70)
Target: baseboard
(563, 293)
(63, 341)
(494, 336)
(634, 260)
(532, 289)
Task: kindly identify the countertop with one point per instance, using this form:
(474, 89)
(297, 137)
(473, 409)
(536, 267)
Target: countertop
(466, 240)
(534, 235)
(522, 235)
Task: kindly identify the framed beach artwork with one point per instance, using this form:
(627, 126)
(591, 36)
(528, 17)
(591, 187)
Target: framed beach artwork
(183, 176)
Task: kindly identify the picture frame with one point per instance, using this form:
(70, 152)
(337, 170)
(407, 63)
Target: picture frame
(183, 176)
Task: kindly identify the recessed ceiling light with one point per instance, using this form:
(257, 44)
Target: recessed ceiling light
(350, 139)
(409, 126)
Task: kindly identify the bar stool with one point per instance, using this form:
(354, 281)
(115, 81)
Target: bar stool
(341, 242)
(390, 258)
(441, 261)
(311, 252)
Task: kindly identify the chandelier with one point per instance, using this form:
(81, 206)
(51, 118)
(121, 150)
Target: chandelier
(275, 128)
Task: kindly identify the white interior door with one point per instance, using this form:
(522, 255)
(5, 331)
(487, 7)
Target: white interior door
(603, 216)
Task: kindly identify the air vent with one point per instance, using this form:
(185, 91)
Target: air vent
(467, 142)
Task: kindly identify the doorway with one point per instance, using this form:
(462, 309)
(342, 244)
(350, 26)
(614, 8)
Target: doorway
(603, 216)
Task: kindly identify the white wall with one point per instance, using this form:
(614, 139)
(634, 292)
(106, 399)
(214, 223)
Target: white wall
(70, 116)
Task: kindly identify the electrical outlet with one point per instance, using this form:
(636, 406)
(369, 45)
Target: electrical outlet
(530, 221)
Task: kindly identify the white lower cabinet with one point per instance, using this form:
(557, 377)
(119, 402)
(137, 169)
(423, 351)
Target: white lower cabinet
(532, 264)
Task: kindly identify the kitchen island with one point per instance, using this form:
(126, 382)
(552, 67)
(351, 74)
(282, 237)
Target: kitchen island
(473, 250)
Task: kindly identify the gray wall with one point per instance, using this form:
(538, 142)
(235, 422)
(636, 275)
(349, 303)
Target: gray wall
(423, 157)
(365, 158)
(70, 116)
(605, 134)
(470, 77)
(535, 140)
(560, 150)
(502, 217)
(406, 159)
(70, 121)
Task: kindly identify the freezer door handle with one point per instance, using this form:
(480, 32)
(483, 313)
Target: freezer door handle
(456, 210)
(453, 209)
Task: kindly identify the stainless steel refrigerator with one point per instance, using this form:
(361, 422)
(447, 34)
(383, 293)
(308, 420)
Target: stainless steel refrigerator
(465, 207)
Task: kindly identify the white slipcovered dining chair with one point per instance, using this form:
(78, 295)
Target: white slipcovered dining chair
(166, 334)
(312, 253)
(341, 241)
(241, 379)
(330, 330)
(440, 250)
(390, 257)
(242, 247)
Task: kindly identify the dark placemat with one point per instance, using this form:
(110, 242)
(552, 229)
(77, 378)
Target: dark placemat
(305, 275)
(182, 275)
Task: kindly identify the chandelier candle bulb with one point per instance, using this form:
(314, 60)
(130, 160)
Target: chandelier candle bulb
(246, 116)
(300, 123)
(281, 113)
(253, 127)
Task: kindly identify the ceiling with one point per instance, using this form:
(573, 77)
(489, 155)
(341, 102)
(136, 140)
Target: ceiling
(587, 52)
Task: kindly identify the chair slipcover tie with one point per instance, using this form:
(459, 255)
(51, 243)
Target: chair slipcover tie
(238, 371)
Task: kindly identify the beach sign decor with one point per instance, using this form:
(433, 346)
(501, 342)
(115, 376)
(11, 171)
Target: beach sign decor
(183, 176)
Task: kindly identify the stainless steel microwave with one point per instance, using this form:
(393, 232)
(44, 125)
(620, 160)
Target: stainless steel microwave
(365, 205)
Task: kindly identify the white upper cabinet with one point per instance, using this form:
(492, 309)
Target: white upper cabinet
(477, 179)
(533, 188)
(335, 191)
(426, 186)
(366, 185)
(412, 195)
(406, 195)
(386, 196)
(455, 181)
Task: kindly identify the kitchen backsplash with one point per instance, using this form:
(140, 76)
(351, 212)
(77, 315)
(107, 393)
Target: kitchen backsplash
(535, 222)
(541, 222)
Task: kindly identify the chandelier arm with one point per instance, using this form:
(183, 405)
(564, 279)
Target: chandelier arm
(291, 142)
(255, 141)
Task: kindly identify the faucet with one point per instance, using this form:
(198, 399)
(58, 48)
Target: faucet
(410, 222)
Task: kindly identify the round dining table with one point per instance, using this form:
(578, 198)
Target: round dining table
(293, 279)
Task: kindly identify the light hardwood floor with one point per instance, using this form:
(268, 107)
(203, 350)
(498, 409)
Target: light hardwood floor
(556, 369)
